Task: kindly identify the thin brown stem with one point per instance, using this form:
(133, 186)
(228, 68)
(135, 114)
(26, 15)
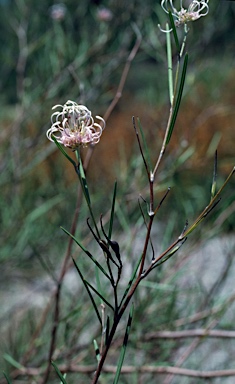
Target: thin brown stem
(198, 332)
(128, 369)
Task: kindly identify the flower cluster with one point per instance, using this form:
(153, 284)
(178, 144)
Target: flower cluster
(196, 9)
(75, 126)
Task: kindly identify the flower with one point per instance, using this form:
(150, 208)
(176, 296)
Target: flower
(75, 125)
(195, 10)
(58, 11)
(104, 14)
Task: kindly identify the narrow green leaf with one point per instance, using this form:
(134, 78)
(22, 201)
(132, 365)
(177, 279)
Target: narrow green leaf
(63, 151)
(172, 23)
(82, 178)
(112, 211)
(62, 378)
(87, 253)
(170, 254)
(88, 291)
(12, 361)
(99, 294)
(178, 100)
(124, 346)
(146, 149)
(7, 378)
(84, 182)
(97, 350)
(212, 204)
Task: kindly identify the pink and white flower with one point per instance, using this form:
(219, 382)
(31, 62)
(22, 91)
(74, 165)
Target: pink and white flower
(195, 10)
(74, 126)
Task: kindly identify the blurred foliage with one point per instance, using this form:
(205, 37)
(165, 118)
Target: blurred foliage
(42, 57)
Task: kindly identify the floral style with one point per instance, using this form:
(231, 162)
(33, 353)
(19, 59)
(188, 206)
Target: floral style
(195, 10)
(75, 126)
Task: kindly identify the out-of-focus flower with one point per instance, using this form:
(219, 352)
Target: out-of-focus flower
(104, 14)
(58, 11)
(196, 9)
(75, 126)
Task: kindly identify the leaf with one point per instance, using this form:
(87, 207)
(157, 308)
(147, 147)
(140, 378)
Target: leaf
(97, 350)
(172, 23)
(88, 291)
(170, 254)
(99, 294)
(146, 149)
(124, 346)
(87, 253)
(12, 361)
(64, 152)
(7, 378)
(83, 181)
(112, 211)
(178, 100)
(62, 378)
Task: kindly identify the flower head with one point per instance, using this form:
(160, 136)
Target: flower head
(75, 126)
(104, 14)
(196, 9)
(58, 11)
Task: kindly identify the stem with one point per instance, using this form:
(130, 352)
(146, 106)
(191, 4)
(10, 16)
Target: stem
(81, 175)
(118, 315)
(172, 100)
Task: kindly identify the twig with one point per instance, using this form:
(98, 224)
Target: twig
(188, 351)
(205, 313)
(200, 332)
(128, 369)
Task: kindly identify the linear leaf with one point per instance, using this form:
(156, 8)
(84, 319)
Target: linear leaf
(88, 291)
(62, 378)
(124, 346)
(170, 254)
(87, 253)
(84, 182)
(174, 31)
(102, 297)
(178, 100)
(63, 151)
(7, 378)
(146, 149)
(97, 350)
(12, 361)
(112, 210)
